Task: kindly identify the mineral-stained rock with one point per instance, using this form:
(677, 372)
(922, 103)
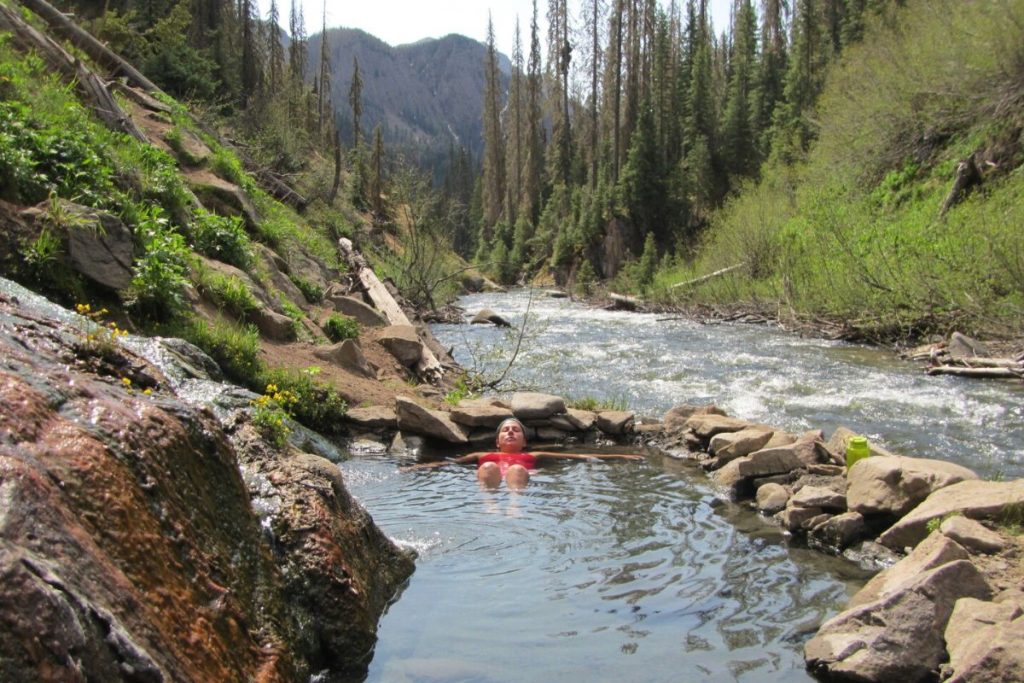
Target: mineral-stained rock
(129, 545)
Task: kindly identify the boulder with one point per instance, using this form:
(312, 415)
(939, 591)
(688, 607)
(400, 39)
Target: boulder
(984, 642)
(820, 497)
(413, 417)
(934, 551)
(962, 347)
(768, 461)
(533, 406)
(487, 316)
(223, 197)
(574, 420)
(899, 637)
(615, 422)
(272, 325)
(707, 425)
(972, 535)
(402, 342)
(972, 498)
(102, 248)
(839, 532)
(480, 413)
(795, 518)
(354, 308)
(676, 417)
(373, 417)
(347, 354)
(728, 446)
(273, 263)
(772, 498)
(893, 485)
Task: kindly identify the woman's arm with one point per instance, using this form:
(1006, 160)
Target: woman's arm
(588, 456)
(469, 457)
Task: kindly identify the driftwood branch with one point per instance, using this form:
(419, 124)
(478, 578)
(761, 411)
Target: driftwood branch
(967, 176)
(428, 366)
(980, 373)
(709, 276)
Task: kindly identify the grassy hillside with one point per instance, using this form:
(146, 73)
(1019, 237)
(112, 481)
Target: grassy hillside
(855, 233)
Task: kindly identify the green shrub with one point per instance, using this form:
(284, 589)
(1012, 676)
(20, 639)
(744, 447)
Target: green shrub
(317, 405)
(161, 273)
(235, 349)
(231, 293)
(222, 238)
(338, 327)
(314, 293)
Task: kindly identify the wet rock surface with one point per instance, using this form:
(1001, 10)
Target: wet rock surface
(130, 544)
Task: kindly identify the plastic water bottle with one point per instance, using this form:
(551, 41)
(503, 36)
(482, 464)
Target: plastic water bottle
(856, 449)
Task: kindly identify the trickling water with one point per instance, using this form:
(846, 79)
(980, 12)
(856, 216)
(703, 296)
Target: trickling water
(638, 571)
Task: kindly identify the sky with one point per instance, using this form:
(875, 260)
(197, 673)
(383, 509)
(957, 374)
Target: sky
(397, 22)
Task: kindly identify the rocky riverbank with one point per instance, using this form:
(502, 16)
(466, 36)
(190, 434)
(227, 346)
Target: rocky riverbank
(144, 538)
(948, 604)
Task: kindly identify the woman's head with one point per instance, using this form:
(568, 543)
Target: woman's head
(511, 436)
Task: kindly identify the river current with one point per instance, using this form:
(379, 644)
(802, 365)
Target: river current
(633, 571)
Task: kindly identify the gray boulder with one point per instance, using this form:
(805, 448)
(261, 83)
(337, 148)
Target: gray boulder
(102, 250)
(413, 417)
(481, 413)
(535, 406)
(402, 342)
(347, 354)
(487, 316)
(839, 532)
(354, 308)
(962, 347)
(615, 422)
(893, 485)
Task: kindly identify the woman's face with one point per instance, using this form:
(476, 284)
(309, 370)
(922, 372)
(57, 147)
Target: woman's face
(511, 438)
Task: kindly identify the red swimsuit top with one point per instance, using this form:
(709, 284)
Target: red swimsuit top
(506, 460)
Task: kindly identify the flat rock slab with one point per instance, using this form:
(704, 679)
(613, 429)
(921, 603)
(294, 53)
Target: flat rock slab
(481, 412)
(973, 498)
(354, 308)
(373, 417)
(615, 422)
(984, 641)
(528, 405)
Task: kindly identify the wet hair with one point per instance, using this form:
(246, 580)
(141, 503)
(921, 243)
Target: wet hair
(522, 427)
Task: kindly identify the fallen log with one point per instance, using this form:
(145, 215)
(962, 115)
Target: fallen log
(980, 373)
(85, 42)
(94, 91)
(621, 301)
(992, 363)
(709, 276)
(428, 366)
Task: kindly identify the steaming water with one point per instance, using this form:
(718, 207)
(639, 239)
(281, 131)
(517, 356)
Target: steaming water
(638, 571)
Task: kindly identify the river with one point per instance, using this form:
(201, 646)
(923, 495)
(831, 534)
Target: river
(641, 571)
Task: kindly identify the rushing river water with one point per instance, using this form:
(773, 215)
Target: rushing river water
(639, 571)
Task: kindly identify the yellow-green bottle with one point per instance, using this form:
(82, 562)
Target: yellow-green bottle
(856, 449)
